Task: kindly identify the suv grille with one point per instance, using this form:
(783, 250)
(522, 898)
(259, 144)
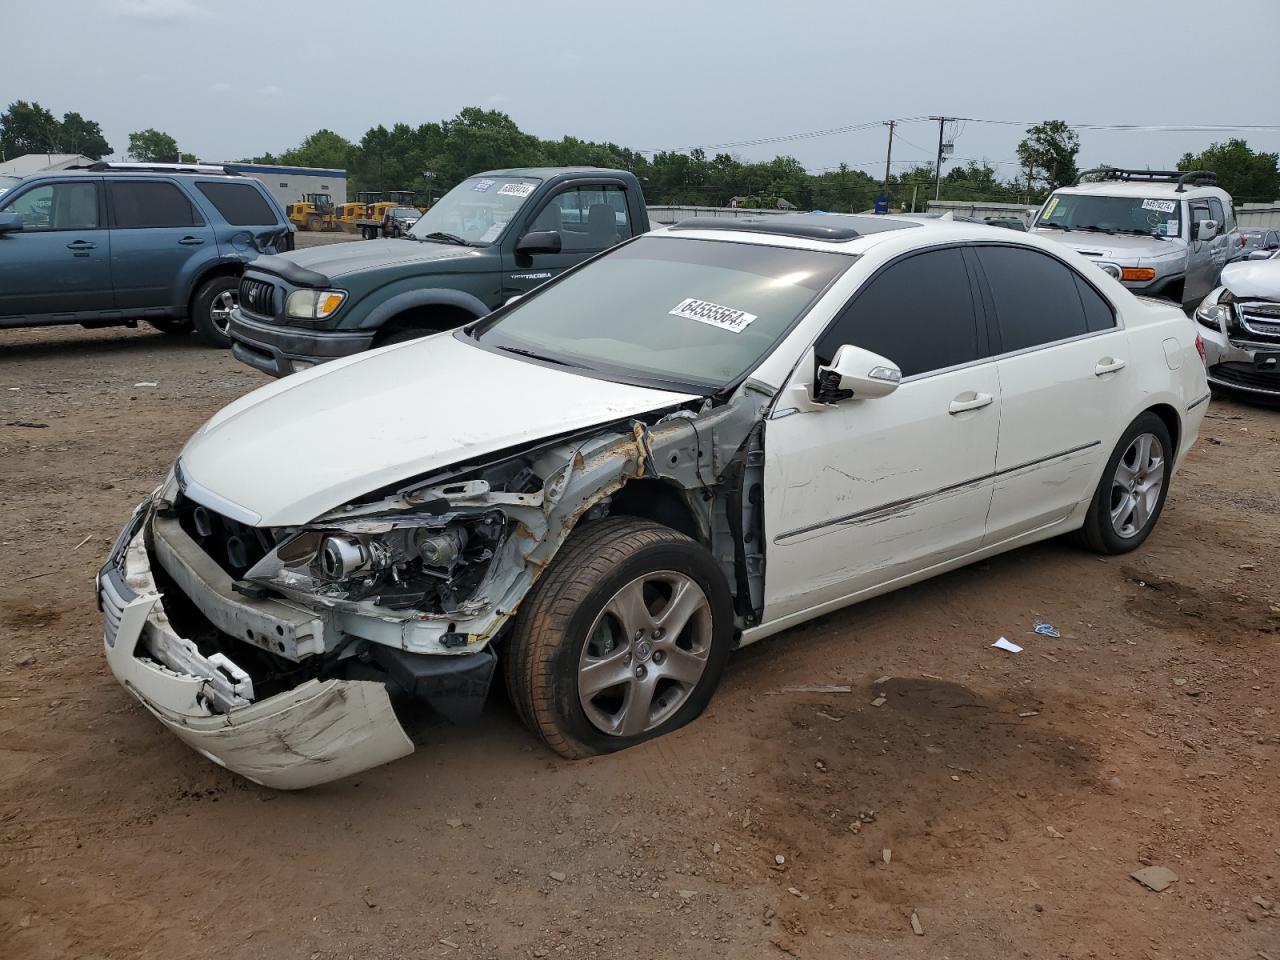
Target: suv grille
(1261, 321)
(257, 296)
(232, 545)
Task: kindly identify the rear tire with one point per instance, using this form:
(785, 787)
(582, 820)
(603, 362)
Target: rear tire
(313, 224)
(591, 666)
(211, 309)
(1131, 494)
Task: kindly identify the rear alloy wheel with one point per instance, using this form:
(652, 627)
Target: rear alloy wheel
(211, 309)
(622, 639)
(1131, 494)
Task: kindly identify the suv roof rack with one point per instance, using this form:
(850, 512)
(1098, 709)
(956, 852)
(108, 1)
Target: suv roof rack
(1183, 178)
(806, 226)
(101, 165)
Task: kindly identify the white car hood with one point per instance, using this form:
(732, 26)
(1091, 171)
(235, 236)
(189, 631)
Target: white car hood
(1253, 278)
(308, 443)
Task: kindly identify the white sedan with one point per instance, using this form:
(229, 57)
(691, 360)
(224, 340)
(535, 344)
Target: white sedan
(707, 435)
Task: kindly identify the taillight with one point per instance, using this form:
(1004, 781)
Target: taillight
(1200, 349)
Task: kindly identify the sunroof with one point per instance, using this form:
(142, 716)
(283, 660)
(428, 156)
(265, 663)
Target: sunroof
(837, 229)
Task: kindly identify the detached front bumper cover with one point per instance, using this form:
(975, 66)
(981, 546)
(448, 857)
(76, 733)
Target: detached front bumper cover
(319, 731)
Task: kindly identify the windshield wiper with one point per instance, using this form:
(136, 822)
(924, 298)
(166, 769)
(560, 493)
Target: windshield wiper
(534, 355)
(1053, 226)
(1143, 233)
(446, 237)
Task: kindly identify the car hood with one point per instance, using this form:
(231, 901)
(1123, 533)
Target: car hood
(335, 260)
(1127, 248)
(1253, 278)
(308, 443)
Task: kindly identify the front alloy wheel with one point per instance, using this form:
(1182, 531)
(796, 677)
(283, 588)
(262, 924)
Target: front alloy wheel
(623, 638)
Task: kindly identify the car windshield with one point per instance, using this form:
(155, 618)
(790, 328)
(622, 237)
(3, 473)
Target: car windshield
(7, 183)
(476, 210)
(404, 212)
(664, 310)
(1149, 215)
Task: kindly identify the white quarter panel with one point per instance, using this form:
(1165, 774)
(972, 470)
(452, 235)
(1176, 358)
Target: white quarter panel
(866, 491)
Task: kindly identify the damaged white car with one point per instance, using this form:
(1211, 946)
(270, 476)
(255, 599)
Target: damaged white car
(702, 437)
(1242, 321)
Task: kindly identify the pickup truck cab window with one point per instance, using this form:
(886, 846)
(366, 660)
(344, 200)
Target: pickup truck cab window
(592, 217)
(57, 206)
(918, 313)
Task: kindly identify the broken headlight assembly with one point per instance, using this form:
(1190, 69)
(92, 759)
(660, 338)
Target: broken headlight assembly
(433, 562)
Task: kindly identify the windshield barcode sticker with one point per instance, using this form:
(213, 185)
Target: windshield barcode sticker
(480, 186)
(704, 311)
(516, 189)
(1163, 206)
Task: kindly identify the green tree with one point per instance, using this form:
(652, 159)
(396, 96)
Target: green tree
(27, 127)
(155, 146)
(78, 135)
(1048, 153)
(324, 148)
(1246, 175)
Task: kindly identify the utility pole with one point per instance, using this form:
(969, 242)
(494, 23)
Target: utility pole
(937, 172)
(888, 157)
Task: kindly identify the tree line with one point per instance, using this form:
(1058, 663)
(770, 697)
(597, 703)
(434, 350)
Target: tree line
(432, 157)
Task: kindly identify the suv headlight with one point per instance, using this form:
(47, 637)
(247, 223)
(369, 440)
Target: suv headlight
(1216, 313)
(313, 304)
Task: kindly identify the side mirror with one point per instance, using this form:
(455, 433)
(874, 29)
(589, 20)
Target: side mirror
(1206, 229)
(539, 241)
(10, 222)
(856, 374)
(1261, 255)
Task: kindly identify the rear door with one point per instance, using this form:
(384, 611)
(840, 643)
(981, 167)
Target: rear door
(1063, 370)
(158, 238)
(60, 261)
(590, 218)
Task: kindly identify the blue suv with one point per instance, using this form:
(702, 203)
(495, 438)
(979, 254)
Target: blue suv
(112, 244)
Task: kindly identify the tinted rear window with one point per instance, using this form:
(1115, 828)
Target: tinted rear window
(1035, 297)
(240, 204)
(150, 203)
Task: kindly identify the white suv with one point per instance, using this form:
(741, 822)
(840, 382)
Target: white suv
(705, 436)
(1161, 233)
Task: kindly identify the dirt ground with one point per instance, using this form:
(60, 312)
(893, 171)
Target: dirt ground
(1004, 799)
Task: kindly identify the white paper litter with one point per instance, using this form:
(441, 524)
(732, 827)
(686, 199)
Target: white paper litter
(1003, 644)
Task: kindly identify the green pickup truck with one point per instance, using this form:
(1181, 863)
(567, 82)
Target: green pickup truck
(493, 237)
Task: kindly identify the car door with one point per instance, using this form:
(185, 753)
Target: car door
(589, 217)
(1220, 247)
(861, 493)
(60, 261)
(1063, 377)
(1202, 271)
(157, 235)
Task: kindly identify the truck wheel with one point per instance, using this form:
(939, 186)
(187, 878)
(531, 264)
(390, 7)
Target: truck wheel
(211, 309)
(621, 640)
(1132, 491)
(313, 223)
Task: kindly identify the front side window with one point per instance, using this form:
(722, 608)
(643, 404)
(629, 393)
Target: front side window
(1215, 211)
(665, 310)
(149, 204)
(587, 218)
(476, 211)
(1035, 297)
(57, 206)
(1103, 214)
(918, 312)
(240, 204)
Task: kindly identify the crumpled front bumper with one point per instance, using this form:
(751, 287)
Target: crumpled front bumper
(319, 731)
(1241, 365)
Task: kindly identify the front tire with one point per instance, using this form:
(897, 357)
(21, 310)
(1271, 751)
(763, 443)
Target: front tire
(211, 309)
(623, 639)
(1131, 494)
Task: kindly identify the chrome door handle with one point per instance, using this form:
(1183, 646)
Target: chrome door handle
(191, 241)
(80, 245)
(1107, 365)
(973, 402)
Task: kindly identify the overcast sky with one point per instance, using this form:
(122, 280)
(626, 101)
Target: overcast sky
(230, 78)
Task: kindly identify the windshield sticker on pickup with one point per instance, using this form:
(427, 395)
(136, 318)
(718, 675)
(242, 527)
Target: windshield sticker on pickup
(516, 189)
(1049, 208)
(480, 186)
(1171, 228)
(704, 311)
(1163, 206)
